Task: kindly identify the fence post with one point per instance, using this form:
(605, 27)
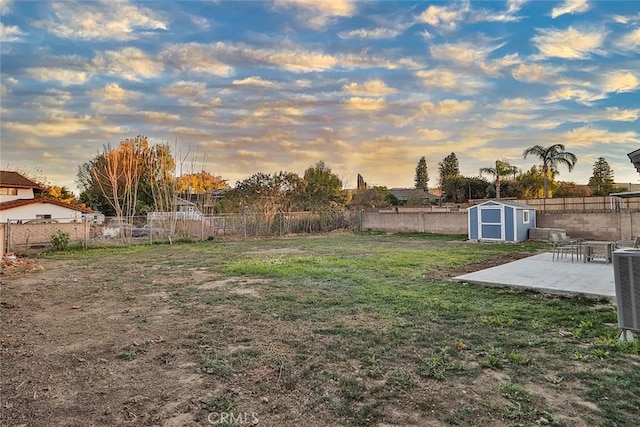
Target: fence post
(9, 243)
(245, 223)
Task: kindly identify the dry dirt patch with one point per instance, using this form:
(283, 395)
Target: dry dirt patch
(276, 251)
(232, 283)
(477, 266)
(77, 353)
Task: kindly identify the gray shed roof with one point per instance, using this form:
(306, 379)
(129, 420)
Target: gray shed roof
(626, 194)
(505, 202)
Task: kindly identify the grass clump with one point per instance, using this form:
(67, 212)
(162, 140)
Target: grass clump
(60, 241)
(438, 366)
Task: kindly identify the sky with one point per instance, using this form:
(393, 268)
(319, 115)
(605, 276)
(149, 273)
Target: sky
(368, 87)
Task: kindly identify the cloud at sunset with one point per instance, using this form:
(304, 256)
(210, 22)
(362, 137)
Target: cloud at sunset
(367, 87)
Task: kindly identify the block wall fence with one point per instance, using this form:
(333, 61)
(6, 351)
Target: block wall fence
(588, 225)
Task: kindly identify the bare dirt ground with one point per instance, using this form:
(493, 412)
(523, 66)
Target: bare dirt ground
(79, 348)
(66, 345)
(477, 266)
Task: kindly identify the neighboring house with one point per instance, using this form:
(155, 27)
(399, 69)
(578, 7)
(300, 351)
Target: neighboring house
(634, 156)
(94, 217)
(413, 194)
(14, 186)
(18, 202)
(205, 202)
(185, 210)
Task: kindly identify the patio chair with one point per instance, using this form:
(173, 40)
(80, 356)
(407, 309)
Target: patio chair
(572, 241)
(563, 247)
(635, 243)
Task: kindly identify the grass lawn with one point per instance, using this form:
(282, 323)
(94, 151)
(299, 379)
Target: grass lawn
(341, 329)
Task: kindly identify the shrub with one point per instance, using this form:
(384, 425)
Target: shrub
(60, 241)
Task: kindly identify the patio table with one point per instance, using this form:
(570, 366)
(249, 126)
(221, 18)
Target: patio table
(593, 249)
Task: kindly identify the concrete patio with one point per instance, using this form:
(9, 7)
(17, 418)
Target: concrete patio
(540, 273)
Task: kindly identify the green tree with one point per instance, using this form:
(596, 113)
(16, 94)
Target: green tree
(266, 194)
(459, 189)
(601, 182)
(416, 197)
(551, 158)
(323, 189)
(449, 169)
(372, 198)
(510, 188)
(501, 170)
(532, 182)
(422, 175)
(571, 189)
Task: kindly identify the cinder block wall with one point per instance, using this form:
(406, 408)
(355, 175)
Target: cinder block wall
(594, 225)
(422, 222)
(3, 239)
(24, 235)
(587, 225)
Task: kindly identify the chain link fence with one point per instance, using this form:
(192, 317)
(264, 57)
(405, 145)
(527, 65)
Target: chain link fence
(97, 231)
(176, 227)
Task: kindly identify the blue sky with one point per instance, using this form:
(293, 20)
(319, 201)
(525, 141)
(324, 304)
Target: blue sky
(368, 87)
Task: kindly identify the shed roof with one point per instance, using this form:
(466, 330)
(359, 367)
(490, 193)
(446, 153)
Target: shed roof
(14, 179)
(504, 202)
(626, 194)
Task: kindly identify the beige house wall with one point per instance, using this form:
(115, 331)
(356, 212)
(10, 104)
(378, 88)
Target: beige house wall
(23, 193)
(32, 210)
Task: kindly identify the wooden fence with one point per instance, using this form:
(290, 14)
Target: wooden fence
(577, 204)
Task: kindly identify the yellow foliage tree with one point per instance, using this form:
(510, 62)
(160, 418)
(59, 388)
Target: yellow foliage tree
(201, 182)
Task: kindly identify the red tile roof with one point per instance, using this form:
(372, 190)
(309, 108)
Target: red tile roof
(22, 202)
(14, 179)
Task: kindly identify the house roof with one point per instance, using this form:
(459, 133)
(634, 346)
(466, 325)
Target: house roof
(405, 193)
(634, 156)
(15, 180)
(184, 202)
(504, 202)
(23, 202)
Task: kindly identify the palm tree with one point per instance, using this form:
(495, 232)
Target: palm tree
(502, 169)
(551, 157)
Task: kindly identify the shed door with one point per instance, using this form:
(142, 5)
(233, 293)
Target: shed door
(490, 223)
